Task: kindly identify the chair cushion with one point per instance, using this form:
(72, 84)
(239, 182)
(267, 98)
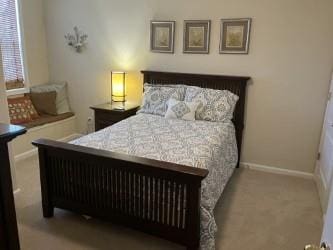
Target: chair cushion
(45, 119)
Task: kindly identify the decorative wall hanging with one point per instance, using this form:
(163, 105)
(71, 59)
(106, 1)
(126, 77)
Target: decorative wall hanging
(196, 36)
(78, 40)
(235, 36)
(162, 36)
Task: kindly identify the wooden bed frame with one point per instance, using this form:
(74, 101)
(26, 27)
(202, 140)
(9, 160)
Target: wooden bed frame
(159, 198)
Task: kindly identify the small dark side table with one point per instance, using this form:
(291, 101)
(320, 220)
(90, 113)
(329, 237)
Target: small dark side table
(108, 114)
(9, 238)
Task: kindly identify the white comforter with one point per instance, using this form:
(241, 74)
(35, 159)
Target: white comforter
(202, 144)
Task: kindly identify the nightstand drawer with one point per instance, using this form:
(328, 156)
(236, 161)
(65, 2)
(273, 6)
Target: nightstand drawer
(108, 116)
(103, 124)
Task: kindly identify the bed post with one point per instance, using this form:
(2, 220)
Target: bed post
(193, 219)
(48, 208)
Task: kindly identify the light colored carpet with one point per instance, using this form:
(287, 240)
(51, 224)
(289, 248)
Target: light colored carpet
(258, 211)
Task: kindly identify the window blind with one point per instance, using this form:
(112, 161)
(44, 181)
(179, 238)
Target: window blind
(10, 45)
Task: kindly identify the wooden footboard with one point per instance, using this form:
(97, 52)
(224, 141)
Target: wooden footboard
(155, 197)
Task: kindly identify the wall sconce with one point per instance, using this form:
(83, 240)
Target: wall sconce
(118, 86)
(77, 40)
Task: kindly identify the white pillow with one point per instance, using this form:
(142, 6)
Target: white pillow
(181, 110)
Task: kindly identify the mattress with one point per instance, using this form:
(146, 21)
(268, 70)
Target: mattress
(201, 144)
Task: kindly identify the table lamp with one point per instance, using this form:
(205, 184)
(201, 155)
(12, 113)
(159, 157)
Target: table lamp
(118, 87)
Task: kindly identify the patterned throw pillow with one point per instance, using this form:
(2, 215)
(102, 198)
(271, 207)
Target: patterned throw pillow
(214, 105)
(155, 98)
(21, 110)
(181, 110)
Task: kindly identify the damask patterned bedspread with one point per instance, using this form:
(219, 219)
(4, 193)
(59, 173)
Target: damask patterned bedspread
(202, 144)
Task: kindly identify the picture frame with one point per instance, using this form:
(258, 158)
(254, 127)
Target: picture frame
(162, 36)
(196, 36)
(235, 36)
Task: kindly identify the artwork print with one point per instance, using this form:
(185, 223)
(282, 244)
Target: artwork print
(235, 36)
(162, 36)
(196, 36)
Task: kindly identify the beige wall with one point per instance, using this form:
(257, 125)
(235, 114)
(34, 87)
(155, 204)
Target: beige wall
(35, 55)
(290, 61)
(4, 118)
(34, 41)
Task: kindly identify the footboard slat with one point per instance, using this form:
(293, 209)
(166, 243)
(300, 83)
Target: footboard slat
(90, 186)
(159, 198)
(150, 198)
(131, 180)
(97, 187)
(123, 192)
(155, 212)
(165, 201)
(84, 178)
(160, 203)
(177, 210)
(139, 199)
(76, 182)
(183, 207)
(171, 203)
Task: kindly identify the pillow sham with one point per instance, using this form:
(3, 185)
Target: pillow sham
(214, 105)
(155, 98)
(62, 103)
(181, 110)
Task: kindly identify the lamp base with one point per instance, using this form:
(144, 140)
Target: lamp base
(118, 105)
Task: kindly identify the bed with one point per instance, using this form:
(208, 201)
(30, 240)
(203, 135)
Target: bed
(149, 187)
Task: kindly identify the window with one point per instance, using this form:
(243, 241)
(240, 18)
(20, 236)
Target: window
(10, 45)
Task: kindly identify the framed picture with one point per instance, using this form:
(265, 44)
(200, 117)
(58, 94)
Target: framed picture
(196, 36)
(235, 36)
(162, 36)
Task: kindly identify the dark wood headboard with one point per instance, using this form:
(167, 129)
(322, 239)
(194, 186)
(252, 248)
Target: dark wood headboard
(235, 84)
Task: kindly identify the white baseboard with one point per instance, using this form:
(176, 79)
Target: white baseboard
(70, 137)
(25, 155)
(16, 191)
(52, 124)
(276, 170)
(32, 152)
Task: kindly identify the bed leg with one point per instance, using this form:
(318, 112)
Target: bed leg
(193, 220)
(48, 208)
(192, 248)
(193, 245)
(48, 211)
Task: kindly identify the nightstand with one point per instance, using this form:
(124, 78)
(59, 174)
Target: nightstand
(107, 114)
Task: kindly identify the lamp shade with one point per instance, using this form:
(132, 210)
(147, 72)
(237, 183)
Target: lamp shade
(118, 86)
